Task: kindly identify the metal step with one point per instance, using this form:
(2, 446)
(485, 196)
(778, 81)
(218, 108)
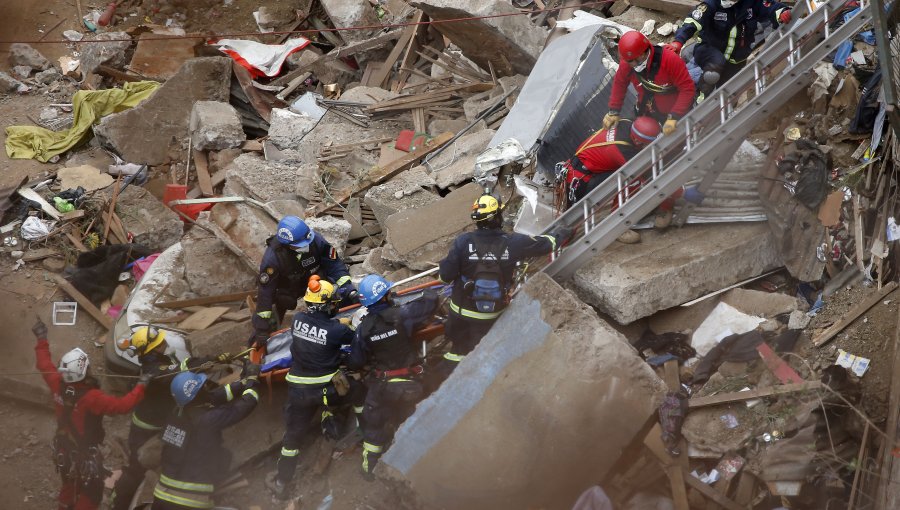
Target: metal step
(705, 139)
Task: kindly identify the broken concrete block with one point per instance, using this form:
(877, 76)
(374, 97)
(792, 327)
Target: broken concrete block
(146, 133)
(21, 72)
(420, 237)
(111, 52)
(222, 337)
(287, 129)
(510, 43)
(21, 54)
(629, 282)
(335, 230)
(152, 223)
(358, 227)
(455, 164)
(352, 13)
(246, 227)
(8, 83)
(216, 126)
(252, 176)
(438, 126)
(406, 191)
(491, 414)
(211, 269)
(274, 15)
(761, 304)
(798, 320)
(375, 264)
(47, 77)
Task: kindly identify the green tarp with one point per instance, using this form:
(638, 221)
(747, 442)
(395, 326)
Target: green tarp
(33, 142)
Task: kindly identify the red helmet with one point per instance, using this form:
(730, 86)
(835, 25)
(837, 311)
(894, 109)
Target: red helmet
(644, 130)
(632, 45)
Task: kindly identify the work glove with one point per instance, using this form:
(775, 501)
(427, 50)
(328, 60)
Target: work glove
(669, 126)
(250, 371)
(145, 378)
(674, 46)
(349, 293)
(224, 357)
(785, 17)
(257, 339)
(562, 235)
(610, 119)
(39, 329)
(692, 195)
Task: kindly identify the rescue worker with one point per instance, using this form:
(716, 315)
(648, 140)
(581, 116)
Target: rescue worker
(194, 458)
(480, 265)
(294, 254)
(725, 31)
(150, 415)
(384, 340)
(315, 379)
(80, 408)
(603, 153)
(665, 90)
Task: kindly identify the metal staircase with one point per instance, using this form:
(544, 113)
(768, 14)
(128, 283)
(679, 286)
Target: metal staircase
(706, 137)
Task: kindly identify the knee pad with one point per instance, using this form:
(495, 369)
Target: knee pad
(711, 77)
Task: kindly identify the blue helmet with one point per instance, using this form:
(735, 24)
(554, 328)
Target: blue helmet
(186, 386)
(372, 288)
(294, 232)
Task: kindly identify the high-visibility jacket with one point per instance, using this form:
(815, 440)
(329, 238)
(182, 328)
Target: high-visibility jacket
(730, 30)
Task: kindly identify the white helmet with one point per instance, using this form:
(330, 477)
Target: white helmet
(74, 365)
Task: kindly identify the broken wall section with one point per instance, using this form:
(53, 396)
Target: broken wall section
(537, 413)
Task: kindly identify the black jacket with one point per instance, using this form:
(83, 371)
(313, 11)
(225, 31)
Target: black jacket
(384, 337)
(316, 348)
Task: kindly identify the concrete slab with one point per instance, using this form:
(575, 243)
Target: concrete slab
(540, 410)
(211, 269)
(146, 134)
(420, 237)
(152, 223)
(216, 126)
(352, 13)
(454, 165)
(763, 304)
(406, 191)
(510, 43)
(629, 282)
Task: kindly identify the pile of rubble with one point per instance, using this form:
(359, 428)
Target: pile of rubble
(176, 159)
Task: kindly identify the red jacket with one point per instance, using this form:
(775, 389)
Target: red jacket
(603, 152)
(92, 405)
(672, 74)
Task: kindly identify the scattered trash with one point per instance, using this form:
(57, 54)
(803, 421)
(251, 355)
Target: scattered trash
(707, 478)
(648, 27)
(856, 364)
(73, 35)
(34, 228)
(261, 59)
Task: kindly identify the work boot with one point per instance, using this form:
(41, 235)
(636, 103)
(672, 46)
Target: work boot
(663, 219)
(630, 237)
(278, 488)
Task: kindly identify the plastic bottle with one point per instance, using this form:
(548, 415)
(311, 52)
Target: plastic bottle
(107, 15)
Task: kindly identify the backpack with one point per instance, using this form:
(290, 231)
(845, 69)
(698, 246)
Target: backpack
(488, 287)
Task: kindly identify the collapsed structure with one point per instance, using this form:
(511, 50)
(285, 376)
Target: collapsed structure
(384, 141)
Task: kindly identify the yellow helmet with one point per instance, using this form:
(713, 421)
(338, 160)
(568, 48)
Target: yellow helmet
(318, 291)
(486, 207)
(143, 340)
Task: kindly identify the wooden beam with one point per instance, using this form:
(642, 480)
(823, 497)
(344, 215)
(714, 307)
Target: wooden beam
(392, 169)
(826, 336)
(84, 302)
(381, 76)
(672, 467)
(107, 219)
(709, 492)
(31, 194)
(409, 52)
(209, 300)
(202, 319)
(337, 53)
(739, 396)
(204, 181)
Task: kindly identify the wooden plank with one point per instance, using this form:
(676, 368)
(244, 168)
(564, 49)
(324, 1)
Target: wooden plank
(261, 100)
(337, 53)
(39, 254)
(673, 7)
(72, 215)
(107, 218)
(115, 74)
(84, 302)
(31, 194)
(826, 336)
(384, 173)
(739, 396)
(380, 77)
(709, 492)
(204, 181)
(216, 179)
(203, 319)
(673, 469)
(410, 52)
(76, 242)
(777, 366)
(209, 300)
(240, 315)
(418, 115)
